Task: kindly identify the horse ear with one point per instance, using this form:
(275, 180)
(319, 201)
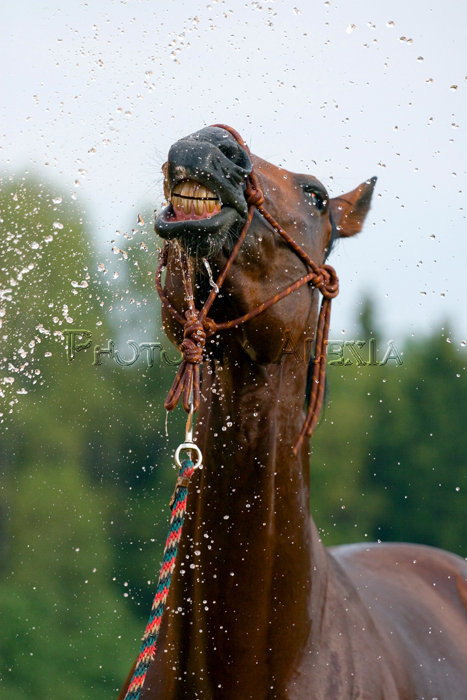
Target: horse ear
(348, 211)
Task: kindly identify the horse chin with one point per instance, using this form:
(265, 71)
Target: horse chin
(200, 237)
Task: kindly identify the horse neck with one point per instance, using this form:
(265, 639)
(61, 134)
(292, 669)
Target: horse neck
(258, 548)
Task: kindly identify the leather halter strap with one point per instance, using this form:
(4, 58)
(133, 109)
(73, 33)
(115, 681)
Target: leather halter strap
(197, 326)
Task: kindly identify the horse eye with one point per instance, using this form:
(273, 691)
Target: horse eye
(316, 198)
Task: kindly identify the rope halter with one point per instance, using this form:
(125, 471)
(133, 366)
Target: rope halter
(197, 326)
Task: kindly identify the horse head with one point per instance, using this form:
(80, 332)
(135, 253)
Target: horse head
(206, 182)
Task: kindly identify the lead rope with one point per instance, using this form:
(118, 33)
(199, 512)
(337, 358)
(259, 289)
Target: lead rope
(178, 504)
(197, 326)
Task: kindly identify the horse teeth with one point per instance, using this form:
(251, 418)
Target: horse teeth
(192, 200)
(198, 206)
(193, 189)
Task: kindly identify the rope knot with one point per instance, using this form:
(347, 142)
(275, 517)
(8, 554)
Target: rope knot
(253, 194)
(209, 326)
(318, 281)
(328, 282)
(194, 340)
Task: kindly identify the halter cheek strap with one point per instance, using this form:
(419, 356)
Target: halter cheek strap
(197, 326)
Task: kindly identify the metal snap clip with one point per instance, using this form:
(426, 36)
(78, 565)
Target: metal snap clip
(193, 448)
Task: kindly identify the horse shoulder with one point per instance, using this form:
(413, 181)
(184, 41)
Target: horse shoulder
(417, 597)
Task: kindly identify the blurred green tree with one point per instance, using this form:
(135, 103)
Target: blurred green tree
(62, 619)
(389, 459)
(417, 446)
(99, 426)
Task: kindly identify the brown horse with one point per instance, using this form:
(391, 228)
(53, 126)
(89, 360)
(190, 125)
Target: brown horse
(259, 608)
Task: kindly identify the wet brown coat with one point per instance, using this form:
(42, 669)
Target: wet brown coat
(259, 608)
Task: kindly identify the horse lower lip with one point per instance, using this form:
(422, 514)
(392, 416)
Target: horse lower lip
(167, 226)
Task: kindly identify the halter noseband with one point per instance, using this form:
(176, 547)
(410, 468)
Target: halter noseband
(197, 326)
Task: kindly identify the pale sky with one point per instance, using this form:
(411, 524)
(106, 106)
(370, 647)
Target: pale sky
(94, 93)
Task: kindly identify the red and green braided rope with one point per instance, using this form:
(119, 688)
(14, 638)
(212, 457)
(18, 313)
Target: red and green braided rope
(148, 646)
